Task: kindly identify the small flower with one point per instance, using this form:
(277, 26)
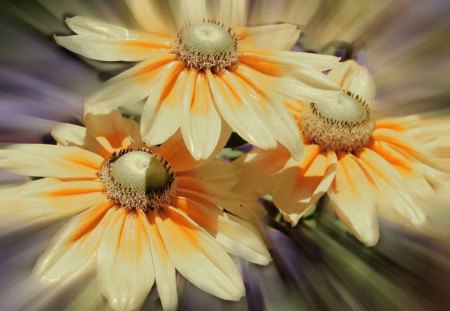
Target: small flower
(364, 166)
(200, 66)
(138, 213)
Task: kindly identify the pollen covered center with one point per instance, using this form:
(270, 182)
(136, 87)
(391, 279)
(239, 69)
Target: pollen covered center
(137, 179)
(343, 125)
(208, 45)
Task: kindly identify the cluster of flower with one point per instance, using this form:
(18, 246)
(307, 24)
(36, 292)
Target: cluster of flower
(150, 199)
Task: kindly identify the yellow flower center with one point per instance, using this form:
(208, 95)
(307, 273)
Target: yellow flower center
(208, 45)
(137, 179)
(344, 125)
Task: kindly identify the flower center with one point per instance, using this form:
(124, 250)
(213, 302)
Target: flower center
(344, 125)
(208, 45)
(138, 179)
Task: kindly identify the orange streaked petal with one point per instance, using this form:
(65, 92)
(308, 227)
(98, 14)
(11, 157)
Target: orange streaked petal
(163, 267)
(124, 260)
(207, 193)
(351, 197)
(300, 187)
(133, 84)
(46, 200)
(390, 189)
(198, 115)
(68, 259)
(404, 143)
(50, 161)
(112, 131)
(162, 117)
(238, 237)
(198, 257)
(258, 171)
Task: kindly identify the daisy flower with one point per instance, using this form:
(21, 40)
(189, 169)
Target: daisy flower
(199, 65)
(364, 166)
(138, 213)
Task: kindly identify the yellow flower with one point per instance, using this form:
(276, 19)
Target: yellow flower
(138, 213)
(364, 166)
(199, 66)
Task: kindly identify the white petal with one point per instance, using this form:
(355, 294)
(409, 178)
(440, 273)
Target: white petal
(351, 197)
(91, 27)
(198, 257)
(355, 78)
(281, 36)
(107, 42)
(152, 15)
(67, 134)
(201, 124)
(124, 261)
(190, 12)
(233, 12)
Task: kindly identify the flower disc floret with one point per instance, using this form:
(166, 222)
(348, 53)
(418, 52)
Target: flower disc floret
(344, 125)
(208, 45)
(138, 179)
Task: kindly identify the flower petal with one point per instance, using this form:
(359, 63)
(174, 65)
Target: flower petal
(107, 42)
(198, 257)
(124, 261)
(238, 237)
(73, 250)
(351, 197)
(258, 170)
(218, 172)
(301, 186)
(197, 190)
(176, 153)
(134, 84)
(355, 78)
(112, 131)
(240, 111)
(50, 161)
(405, 143)
(389, 187)
(190, 12)
(198, 115)
(163, 94)
(281, 121)
(152, 15)
(162, 112)
(50, 198)
(280, 36)
(67, 134)
(163, 267)
(233, 12)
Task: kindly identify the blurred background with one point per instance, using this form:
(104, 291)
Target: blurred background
(317, 265)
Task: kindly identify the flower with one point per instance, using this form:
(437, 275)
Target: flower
(364, 166)
(138, 213)
(199, 66)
